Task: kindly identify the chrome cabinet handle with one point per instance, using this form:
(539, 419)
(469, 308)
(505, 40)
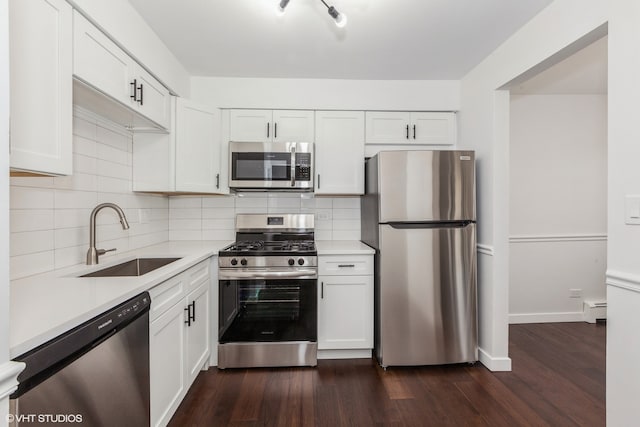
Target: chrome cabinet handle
(321, 290)
(275, 130)
(268, 129)
(346, 265)
(217, 180)
(318, 180)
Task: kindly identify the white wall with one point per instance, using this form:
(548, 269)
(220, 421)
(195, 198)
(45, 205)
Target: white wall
(442, 95)
(484, 126)
(557, 205)
(122, 22)
(50, 216)
(212, 218)
(7, 382)
(623, 273)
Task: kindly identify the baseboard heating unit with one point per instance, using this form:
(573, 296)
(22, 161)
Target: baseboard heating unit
(594, 310)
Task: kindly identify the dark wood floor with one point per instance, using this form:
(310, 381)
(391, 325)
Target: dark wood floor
(558, 379)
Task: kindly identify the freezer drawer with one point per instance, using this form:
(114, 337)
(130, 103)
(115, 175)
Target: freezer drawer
(426, 186)
(426, 295)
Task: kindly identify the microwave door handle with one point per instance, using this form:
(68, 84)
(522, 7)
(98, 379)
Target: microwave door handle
(293, 165)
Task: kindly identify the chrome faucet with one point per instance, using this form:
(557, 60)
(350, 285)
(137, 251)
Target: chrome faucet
(93, 253)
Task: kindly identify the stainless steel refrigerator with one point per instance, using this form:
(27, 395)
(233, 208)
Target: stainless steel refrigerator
(419, 214)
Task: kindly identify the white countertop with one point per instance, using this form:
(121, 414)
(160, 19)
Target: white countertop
(343, 247)
(47, 305)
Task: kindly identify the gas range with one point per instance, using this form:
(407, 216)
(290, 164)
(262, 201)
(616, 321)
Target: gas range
(266, 243)
(268, 292)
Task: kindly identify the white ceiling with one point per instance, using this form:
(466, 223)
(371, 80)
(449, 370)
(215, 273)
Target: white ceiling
(584, 72)
(383, 39)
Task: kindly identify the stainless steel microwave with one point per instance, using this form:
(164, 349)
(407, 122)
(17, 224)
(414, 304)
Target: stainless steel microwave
(255, 166)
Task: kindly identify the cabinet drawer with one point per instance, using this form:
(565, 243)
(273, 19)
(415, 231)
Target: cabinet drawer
(197, 274)
(341, 265)
(167, 294)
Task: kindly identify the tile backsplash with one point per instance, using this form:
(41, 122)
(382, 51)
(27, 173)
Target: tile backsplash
(50, 216)
(212, 218)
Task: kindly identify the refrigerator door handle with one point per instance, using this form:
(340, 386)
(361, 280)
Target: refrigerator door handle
(436, 224)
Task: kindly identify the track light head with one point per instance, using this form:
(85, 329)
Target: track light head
(339, 18)
(281, 7)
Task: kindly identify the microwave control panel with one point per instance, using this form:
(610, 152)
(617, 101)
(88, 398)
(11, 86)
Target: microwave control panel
(303, 166)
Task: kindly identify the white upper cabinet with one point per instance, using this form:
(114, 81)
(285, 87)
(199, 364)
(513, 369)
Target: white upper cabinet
(187, 160)
(100, 63)
(293, 125)
(41, 59)
(392, 127)
(339, 152)
(197, 148)
(271, 125)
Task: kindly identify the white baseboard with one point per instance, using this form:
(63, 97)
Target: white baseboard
(9, 377)
(494, 364)
(344, 354)
(577, 316)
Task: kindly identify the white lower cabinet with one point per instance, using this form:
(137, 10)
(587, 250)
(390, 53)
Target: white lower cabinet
(178, 338)
(166, 347)
(197, 332)
(345, 306)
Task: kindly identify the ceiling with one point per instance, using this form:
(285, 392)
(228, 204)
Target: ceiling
(584, 72)
(388, 40)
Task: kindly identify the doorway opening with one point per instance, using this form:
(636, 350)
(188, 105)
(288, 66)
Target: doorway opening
(558, 191)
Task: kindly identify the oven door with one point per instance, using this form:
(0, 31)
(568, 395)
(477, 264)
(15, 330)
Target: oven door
(279, 165)
(267, 310)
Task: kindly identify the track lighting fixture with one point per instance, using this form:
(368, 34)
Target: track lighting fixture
(281, 7)
(339, 18)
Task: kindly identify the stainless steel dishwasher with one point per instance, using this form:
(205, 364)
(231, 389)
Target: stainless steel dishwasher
(96, 374)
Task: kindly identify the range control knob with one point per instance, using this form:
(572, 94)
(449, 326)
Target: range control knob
(300, 261)
(291, 261)
(243, 261)
(234, 261)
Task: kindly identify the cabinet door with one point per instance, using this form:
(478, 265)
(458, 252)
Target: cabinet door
(386, 127)
(41, 86)
(198, 332)
(345, 312)
(433, 128)
(293, 126)
(100, 63)
(166, 356)
(339, 152)
(250, 125)
(197, 148)
(152, 99)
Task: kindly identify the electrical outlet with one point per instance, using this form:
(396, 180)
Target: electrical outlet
(143, 216)
(575, 293)
(323, 216)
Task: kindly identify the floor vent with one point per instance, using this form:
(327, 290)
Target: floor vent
(594, 310)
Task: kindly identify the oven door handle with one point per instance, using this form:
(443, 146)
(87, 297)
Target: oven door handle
(297, 274)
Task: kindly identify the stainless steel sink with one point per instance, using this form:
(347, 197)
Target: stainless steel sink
(135, 267)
